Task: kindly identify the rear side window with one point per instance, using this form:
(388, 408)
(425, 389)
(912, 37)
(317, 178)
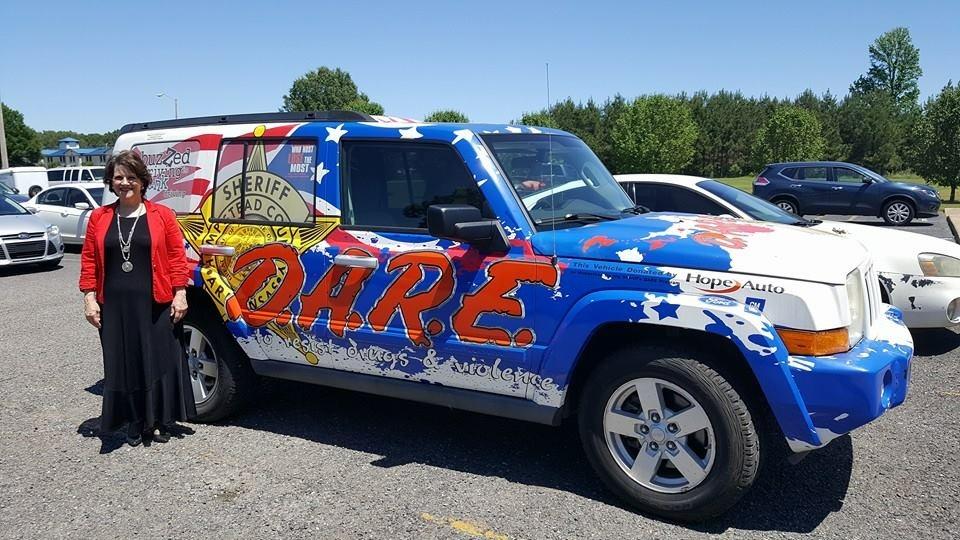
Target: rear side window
(683, 200)
(54, 197)
(266, 181)
(388, 184)
(791, 172)
(647, 195)
(55, 176)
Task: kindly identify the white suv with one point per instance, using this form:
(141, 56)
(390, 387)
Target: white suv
(75, 174)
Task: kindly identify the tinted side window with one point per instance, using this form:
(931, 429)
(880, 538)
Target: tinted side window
(815, 173)
(646, 194)
(791, 172)
(392, 184)
(848, 175)
(75, 196)
(87, 177)
(54, 176)
(683, 200)
(54, 197)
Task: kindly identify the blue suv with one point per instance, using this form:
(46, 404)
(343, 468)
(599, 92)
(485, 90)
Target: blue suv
(833, 187)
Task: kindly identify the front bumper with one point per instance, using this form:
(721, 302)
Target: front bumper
(846, 391)
(928, 208)
(30, 250)
(924, 300)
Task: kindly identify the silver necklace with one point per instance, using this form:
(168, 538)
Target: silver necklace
(127, 266)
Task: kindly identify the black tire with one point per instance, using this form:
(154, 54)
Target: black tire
(236, 382)
(788, 205)
(736, 458)
(898, 212)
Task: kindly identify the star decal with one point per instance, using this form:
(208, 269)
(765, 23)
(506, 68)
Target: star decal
(321, 172)
(410, 133)
(462, 135)
(665, 310)
(334, 134)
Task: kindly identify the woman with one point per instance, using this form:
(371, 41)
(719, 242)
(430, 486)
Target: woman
(133, 275)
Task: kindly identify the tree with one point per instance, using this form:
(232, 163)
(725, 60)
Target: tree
(872, 130)
(654, 134)
(23, 147)
(326, 89)
(728, 123)
(447, 115)
(791, 134)
(49, 139)
(539, 118)
(937, 155)
(827, 110)
(894, 69)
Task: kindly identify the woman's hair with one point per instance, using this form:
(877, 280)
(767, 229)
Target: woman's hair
(132, 162)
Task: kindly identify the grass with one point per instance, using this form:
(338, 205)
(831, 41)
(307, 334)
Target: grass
(744, 183)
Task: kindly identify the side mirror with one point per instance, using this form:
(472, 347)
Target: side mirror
(82, 206)
(15, 190)
(463, 223)
(867, 180)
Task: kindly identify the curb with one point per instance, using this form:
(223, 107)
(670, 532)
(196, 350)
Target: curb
(953, 213)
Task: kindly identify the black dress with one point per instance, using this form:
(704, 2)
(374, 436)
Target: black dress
(146, 383)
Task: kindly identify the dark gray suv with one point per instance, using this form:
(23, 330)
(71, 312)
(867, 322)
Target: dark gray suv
(834, 187)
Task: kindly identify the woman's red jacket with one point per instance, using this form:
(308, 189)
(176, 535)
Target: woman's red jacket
(167, 256)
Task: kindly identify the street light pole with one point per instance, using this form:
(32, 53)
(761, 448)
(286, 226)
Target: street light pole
(4, 162)
(176, 106)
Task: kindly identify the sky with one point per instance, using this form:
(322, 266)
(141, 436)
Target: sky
(94, 66)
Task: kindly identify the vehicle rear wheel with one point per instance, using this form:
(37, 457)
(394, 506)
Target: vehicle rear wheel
(220, 373)
(788, 205)
(668, 433)
(898, 212)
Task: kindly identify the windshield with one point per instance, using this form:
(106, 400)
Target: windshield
(557, 176)
(754, 207)
(9, 208)
(97, 173)
(96, 194)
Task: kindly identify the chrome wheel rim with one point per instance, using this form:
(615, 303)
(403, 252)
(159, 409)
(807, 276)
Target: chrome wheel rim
(659, 435)
(898, 212)
(202, 363)
(788, 206)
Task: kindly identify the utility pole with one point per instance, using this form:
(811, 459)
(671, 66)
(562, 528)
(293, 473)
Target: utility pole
(4, 161)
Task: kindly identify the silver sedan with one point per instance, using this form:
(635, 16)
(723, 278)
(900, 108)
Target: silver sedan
(68, 207)
(25, 238)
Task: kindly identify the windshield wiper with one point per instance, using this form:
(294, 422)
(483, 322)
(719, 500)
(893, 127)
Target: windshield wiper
(583, 217)
(636, 209)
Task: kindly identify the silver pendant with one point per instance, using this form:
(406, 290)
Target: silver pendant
(127, 266)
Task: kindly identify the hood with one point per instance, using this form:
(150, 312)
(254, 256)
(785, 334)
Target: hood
(892, 250)
(913, 186)
(27, 223)
(710, 243)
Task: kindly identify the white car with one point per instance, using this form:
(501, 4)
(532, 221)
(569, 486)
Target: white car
(68, 207)
(919, 274)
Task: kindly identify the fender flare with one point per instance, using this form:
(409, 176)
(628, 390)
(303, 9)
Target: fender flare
(753, 335)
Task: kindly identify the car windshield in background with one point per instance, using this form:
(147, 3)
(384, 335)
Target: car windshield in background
(558, 178)
(6, 189)
(96, 194)
(10, 208)
(754, 207)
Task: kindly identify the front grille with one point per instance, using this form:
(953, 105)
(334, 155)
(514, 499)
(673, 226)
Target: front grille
(26, 250)
(17, 236)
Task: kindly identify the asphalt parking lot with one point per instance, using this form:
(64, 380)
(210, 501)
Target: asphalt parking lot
(309, 461)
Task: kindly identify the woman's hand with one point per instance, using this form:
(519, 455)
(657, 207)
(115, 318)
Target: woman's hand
(178, 308)
(91, 309)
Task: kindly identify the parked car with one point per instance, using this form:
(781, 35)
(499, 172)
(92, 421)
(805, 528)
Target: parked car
(399, 258)
(25, 238)
(12, 193)
(68, 207)
(29, 180)
(75, 174)
(918, 274)
(830, 187)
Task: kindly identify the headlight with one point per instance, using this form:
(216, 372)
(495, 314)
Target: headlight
(934, 264)
(53, 230)
(856, 304)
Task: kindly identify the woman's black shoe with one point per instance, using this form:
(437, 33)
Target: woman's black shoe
(134, 441)
(161, 437)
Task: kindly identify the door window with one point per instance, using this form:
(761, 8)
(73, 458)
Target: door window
(55, 176)
(678, 199)
(75, 196)
(87, 177)
(818, 174)
(848, 175)
(390, 184)
(54, 197)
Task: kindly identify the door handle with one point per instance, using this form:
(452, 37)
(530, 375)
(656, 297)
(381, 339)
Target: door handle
(356, 261)
(796, 185)
(213, 249)
(837, 188)
(64, 214)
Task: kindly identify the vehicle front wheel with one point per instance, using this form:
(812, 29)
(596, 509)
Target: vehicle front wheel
(898, 212)
(32, 192)
(788, 205)
(668, 433)
(220, 373)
